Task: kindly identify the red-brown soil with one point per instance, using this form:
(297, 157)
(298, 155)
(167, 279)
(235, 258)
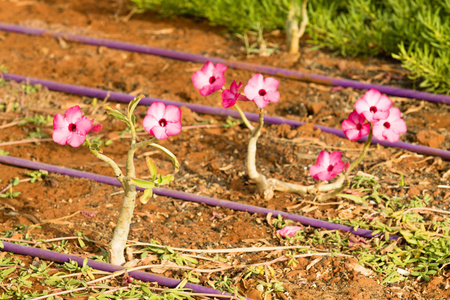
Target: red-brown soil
(212, 159)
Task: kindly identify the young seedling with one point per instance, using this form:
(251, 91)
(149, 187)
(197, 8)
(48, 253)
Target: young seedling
(161, 121)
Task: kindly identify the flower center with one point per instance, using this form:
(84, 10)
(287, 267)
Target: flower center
(330, 168)
(162, 122)
(72, 127)
(387, 125)
(212, 79)
(373, 109)
(262, 92)
(358, 126)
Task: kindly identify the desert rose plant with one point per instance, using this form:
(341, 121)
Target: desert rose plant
(161, 122)
(384, 122)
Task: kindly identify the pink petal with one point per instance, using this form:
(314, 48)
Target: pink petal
(253, 86)
(84, 125)
(157, 110)
(271, 84)
(371, 97)
(288, 231)
(338, 168)
(315, 170)
(159, 132)
(384, 103)
(273, 96)
(335, 157)
(208, 69)
(219, 70)
(260, 101)
(149, 122)
(200, 79)
(324, 176)
(228, 98)
(235, 87)
(76, 139)
(173, 128)
(352, 134)
(61, 135)
(348, 124)
(97, 128)
(365, 129)
(378, 131)
(380, 115)
(172, 114)
(391, 135)
(73, 114)
(361, 106)
(323, 159)
(208, 90)
(400, 126)
(60, 122)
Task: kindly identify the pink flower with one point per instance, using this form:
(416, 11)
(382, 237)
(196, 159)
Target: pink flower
(230, 96)
(72, 127)
(373, 105)
(262, 91)
(354, 128)
(288, 231)
(162, 121)
(209, 79)
(390, 128)
(327, 166)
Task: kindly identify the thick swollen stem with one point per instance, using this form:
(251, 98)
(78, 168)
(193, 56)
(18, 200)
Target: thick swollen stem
(266, 187)
(119, 240)
(259, 179)
(287, 187)
(120, 236)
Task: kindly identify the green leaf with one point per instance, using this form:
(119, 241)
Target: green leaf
(118, 115)
(143, 183)
(146, 196)
(152, 167)
(82, 244)
(132, 105)
(6, 272)
(172, 156)
(166, 179)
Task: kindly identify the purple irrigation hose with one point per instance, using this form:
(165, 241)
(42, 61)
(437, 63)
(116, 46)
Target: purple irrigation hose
(98, 265)
(122, 97)
(19, 162)
(232, 64)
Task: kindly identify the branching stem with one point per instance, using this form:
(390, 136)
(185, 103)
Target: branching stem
(266, 187)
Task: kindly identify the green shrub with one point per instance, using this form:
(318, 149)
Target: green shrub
(237, 16)
(416, 32)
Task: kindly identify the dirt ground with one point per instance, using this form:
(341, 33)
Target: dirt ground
(212, 159)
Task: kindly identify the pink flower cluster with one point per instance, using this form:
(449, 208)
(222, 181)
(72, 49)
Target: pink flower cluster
(161, 121)
(377, 110)
(386, 122)
(259, 90)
